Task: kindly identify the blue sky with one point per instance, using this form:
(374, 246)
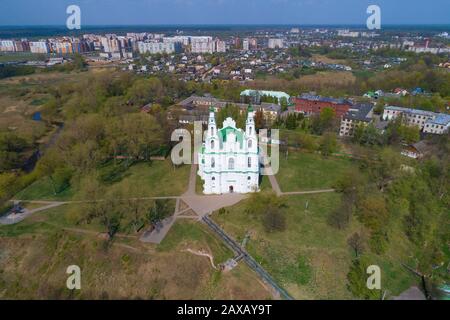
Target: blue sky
(102, 12)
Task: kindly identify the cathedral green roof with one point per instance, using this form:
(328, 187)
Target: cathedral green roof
(223, 133)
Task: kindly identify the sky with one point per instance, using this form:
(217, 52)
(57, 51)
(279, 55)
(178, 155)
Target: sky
(184, 12)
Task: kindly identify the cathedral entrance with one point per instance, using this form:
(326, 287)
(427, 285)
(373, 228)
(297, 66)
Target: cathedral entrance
(231, 189)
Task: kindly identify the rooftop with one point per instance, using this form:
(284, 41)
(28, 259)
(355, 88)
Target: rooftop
(361, 112)
(276, 94)
(413, 111)
(312, 97)
(441, 119)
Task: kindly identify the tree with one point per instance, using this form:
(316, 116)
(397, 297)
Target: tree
(291, 122)
(11, 148)
(340, 217)
(269, 208)
(386, 168)
(356, 242)
(274, 220)
(351, 185)
(325, 121)
(328, 144)
(48, 166)
(367, 135)
(159, 211)
(357, 280)
(78, 62)
(259, 119)
(306, 141)
(373, 212)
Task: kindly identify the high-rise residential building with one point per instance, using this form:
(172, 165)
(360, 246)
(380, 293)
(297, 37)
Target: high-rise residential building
(245, 45)
(159, 47)
(39, 47)
(7, 46)
(237, 42)
(184, 40)
(21, 45)
(203, 44)
(219, 45)
(110, 43)
(62, 47)
(253, 43)
(275, 43)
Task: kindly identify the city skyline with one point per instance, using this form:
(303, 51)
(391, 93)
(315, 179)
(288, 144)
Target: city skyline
(232, 12)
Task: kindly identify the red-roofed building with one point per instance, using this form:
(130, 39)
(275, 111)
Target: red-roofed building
(310, 104)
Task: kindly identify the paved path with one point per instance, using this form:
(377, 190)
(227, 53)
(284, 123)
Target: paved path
(159, 232)
(203, 205)
(15, 218)
(192, 181)
(275, 186)
(307, 192)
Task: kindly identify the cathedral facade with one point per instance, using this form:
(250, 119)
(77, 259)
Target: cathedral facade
(229, 157)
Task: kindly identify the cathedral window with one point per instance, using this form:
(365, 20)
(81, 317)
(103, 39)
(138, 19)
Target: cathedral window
(250, 143)
(231, 164)
(213, 163)
(212, 144)
(249, 162)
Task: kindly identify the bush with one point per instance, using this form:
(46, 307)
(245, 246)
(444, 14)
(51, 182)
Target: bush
(357, 281)
(274, 220)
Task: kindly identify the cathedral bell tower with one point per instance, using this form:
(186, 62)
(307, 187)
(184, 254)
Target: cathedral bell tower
(250, 123)
(212, 127)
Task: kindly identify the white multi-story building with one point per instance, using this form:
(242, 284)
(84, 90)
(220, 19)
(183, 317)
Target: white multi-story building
(357, 115)
(184, 40)
(275, 43)
(245, 45)
(159, 47)
(219, 46)
(39, 47)
(438, 125)
(7, 46)
(348, 33)
(110, 43)
(202, 44)
(229, 158)
(410, 116)
(429, 122)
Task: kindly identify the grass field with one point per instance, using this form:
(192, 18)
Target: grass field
(35, 253)
(310, 258)
(21, 56)
(156, 179)
(306, 171)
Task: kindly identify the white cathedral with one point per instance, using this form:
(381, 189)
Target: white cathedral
(229, 158)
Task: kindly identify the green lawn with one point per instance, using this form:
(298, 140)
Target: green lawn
(156, 179)
(20, 56)
(160, 178)
(42, 190)
(194, 233)
(310, 258)
(49, 220)
(307, 171)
